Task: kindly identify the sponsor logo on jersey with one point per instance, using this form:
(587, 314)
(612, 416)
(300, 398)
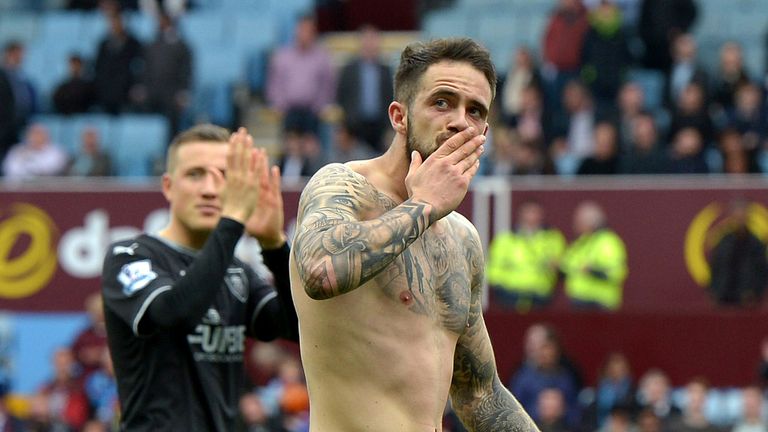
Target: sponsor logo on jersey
(218, 344)
(136, 276)
(212, 317)
(237, 283)
(128, 250)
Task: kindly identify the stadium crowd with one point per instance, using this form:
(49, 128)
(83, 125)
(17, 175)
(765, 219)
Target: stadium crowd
(614, 88)
(81, 393)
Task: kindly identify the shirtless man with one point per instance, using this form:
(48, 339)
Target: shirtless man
(386, 278)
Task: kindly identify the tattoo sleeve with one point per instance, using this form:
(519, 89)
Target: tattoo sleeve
(336, 249)
(477, 395)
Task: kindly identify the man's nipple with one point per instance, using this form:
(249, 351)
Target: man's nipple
(406, 297)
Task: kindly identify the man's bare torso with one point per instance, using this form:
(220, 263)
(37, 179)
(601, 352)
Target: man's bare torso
(380, 357)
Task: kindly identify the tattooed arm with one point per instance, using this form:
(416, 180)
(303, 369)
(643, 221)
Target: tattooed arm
(477, 395)
(335, 250)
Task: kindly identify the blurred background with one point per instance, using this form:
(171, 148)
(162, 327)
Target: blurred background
(622, 202)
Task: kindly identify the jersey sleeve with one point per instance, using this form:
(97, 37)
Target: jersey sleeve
(131, 280)
(170, 301)
(272, 311)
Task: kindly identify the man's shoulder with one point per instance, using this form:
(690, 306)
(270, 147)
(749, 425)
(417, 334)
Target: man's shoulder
(140, 245)
(459, 221)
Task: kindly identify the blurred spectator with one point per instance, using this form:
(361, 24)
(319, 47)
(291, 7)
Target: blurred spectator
(576, 127)
(346, 147)
(543, 370)
(522, 264)
(752, 419)
(364, 90)
(648, 421)
(500, 160)
(157, 8)
(654, 394)
(17, 94)
(737, 158)
(117, 64)
(661, 21)
(8, 421)
(749, 117)
(605, 159)
(94, 426)
(763, 368)
(731, 75)
(630, 10)
(36, 156)
(532, 121)
(301, 81)
(40, 418)
(615, 388)
(84, 5)
(263, 361)
(619, 420)
(535, 337)
(738, 261)
(282, 394)
(631, 101)
(76, 94)
(595, 264)
(101, 390)
(687, 153)
(691, 112)
(91, 343)
(551, 408)
(302, 155)
(606, 55)
(254, 418)
(167, 76)
(511, 155)
(685, 70)
(693, 418)
(67, 403)
(644, 155)
(563, 42)
(522, 75)
(90, 161)
(88, 5)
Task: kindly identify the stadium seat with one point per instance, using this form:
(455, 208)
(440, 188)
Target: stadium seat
(21, 26)
(139, 144)
(445, 24)
(204, 30)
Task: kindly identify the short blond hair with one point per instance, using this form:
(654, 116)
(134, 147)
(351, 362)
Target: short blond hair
(203, 132)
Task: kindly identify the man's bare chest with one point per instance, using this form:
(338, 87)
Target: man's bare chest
(432, 277)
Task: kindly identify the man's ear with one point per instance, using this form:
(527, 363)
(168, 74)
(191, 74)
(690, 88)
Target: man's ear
(166, 183)
(398, 117)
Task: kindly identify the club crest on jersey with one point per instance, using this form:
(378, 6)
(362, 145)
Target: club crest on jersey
(236, 282)
(136, 276)
(212, 317)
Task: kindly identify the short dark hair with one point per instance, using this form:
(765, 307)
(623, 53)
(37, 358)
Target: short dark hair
(203, 132)
(417, 57)
(13, 45)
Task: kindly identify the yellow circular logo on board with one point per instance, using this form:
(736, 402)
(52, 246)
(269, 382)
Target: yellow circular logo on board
(706, 230)
(25, 272)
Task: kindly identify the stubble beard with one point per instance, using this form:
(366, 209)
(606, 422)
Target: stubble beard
(414, 143)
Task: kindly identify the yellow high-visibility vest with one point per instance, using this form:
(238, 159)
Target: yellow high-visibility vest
(602, 251)
(525, 263)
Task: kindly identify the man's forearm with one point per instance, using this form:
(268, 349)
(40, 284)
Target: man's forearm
(497, 411)
(340, 257)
